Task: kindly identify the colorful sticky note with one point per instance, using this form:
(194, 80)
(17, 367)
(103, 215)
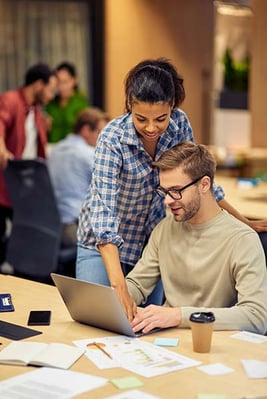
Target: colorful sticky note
(126, 382)
(166, 341)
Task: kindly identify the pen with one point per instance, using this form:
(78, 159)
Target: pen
(102, 349)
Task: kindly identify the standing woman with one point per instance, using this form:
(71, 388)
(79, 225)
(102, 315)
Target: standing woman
(66, 106)
(121, 207)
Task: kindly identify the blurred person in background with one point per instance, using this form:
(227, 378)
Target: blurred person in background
(23, 130)
(63, 110)
(71, 164)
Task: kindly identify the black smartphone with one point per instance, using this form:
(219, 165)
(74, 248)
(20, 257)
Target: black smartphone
(39, 318)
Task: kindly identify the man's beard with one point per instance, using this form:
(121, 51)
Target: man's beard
(190, 210)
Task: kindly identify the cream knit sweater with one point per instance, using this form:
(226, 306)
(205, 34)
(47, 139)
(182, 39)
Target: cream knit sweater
(217, 266)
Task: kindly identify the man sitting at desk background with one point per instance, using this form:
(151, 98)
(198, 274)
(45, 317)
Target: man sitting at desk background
(71, 164)
(206, 258)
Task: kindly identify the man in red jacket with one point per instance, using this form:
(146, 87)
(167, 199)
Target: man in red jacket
(22, 129)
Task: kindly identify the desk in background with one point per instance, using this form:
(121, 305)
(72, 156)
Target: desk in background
(250, 202)
(186, 384)
(240, 161)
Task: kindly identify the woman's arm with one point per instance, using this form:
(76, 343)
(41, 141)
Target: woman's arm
(104, 210)
(110, 255)
(257, 225)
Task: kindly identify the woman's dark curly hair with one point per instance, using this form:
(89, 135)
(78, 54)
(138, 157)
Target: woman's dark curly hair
(153, 81)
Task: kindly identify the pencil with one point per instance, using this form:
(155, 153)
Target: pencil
(102, 349)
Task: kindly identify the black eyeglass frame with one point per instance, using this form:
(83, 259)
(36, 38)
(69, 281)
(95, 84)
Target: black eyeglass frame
(162, 192)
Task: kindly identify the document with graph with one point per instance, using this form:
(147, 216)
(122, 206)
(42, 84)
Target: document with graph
(135, 355)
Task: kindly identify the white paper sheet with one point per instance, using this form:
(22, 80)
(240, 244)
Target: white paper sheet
(95, 355)
(250, 337)
(255, 368)
(48, 383)
(135, 355)
(216, 369)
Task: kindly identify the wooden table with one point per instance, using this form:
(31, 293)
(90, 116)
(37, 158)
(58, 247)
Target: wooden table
(185, 384)
(250, 202)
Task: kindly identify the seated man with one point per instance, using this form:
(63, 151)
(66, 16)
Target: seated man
(207, 259)
(71, 164)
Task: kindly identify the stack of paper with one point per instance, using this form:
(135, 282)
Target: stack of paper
(49, 383)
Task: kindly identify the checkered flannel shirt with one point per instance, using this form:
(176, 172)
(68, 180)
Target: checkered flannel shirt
(121, 206)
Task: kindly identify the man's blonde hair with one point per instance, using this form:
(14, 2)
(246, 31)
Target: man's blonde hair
(195, 160)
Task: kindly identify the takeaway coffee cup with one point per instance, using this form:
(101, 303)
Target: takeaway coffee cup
(202, 326)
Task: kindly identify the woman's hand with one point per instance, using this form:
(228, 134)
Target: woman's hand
(127, 302)
(258, 225)
(111, 259)
(154, 316)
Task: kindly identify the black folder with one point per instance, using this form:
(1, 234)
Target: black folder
(16, 332)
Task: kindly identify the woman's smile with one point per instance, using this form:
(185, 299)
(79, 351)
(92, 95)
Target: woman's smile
(151, 120)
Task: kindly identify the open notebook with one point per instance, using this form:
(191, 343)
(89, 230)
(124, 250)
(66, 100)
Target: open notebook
(93, 304)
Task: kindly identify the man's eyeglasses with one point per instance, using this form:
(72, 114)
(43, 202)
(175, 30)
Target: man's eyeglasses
(175, 193)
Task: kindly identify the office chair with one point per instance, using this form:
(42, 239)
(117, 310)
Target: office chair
(34, 248)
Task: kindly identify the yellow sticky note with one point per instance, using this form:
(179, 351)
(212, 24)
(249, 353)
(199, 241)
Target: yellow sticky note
(126, 382)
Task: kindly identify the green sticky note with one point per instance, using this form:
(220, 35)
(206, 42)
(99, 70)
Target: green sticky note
(210, 396)
(126, 382)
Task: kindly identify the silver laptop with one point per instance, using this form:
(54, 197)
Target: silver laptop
(93, 304)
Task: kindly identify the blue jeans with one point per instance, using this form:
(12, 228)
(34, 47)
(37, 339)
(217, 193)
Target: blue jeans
(90, 267)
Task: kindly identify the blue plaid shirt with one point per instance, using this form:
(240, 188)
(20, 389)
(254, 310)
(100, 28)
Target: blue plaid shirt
(121, 206)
